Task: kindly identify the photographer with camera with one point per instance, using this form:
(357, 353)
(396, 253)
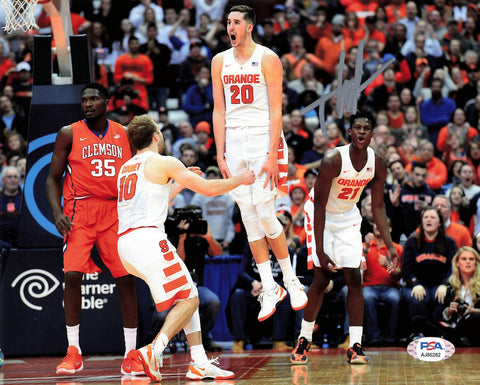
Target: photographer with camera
(461, 316)
(192, 236)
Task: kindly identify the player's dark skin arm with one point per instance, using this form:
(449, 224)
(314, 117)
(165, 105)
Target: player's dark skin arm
(73, 279)
(379, 213)
(63, 145)
(329, 169)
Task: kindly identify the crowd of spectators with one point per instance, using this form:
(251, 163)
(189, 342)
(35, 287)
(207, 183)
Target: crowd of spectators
(427, 105)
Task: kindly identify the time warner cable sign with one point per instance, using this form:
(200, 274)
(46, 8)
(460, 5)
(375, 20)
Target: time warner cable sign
(431, 349)
(35, 284)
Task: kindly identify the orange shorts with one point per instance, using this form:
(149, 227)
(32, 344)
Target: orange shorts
(95, 223)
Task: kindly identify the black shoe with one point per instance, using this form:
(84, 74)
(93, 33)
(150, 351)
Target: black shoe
(212, 346)
(356, 355)
(300, 353)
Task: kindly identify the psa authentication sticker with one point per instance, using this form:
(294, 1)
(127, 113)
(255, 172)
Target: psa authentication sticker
(431, 349)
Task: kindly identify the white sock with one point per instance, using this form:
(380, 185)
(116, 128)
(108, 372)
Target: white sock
(130, 335)
(198, 354)
(356, 333)
(265, 271)
(307, 329)
(159, 344)
(73, 337)
(287, 270)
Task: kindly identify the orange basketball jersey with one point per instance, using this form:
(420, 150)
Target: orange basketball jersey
(95, 160)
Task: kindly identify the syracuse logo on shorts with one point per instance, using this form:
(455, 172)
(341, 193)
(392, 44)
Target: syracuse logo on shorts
(431, 349)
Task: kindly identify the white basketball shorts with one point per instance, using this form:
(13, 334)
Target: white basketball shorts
(146, 253)
(342, 239)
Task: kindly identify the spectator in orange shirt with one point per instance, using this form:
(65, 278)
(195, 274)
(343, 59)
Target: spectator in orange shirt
(473, 157)
(334, 136)
(298, 194)
(379, 285)
(372, 33)
(352, 28)
(279, 16)
(137, 67)
(459, 212)
(458, 232)
(436, 169)
(362, 8)
(298, 56)
(382, 23)
(396, 118)
(320, 26)
(296, 171)
(396, 10)
(5, 62)
(297, 120)
(458, 126)
(401, 73)
(328, 48)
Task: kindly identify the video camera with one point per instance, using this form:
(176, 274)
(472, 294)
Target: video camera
(193, 215)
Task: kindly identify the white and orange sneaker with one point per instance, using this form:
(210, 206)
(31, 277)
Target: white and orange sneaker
(208, 371)
(268, 301)
(71, 363)
(298, 298)
(131, 364)
(151, 365)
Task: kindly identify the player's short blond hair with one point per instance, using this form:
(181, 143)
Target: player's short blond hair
(140, 131)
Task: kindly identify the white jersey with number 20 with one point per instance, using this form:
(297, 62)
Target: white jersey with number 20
(245, 88)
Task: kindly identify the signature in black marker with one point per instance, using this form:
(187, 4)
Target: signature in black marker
(347, 90)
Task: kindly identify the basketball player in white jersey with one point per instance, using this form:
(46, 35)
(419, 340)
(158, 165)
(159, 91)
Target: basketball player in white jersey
(144, 190)
(333, 230)
(247, 122)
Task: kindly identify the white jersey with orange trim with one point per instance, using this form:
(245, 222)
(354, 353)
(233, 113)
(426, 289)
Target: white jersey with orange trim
(347, 187)
(141, 203)
(245, 89)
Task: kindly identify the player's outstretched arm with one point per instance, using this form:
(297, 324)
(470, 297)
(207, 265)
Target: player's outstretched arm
(177, 187)
(159, 169)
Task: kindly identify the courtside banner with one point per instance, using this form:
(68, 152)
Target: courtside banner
(31, 307)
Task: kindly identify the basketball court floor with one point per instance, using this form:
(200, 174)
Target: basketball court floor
(325, 366)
